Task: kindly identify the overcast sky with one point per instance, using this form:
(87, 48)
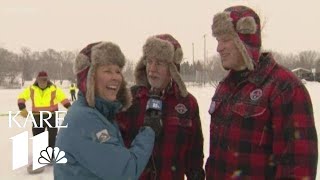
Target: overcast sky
(291, 25)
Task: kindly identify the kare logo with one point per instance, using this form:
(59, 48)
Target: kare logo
(30, 116)
(42, 154)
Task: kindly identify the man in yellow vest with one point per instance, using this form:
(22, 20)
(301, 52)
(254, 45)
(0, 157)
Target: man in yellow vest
(45, 96)
(73, 92)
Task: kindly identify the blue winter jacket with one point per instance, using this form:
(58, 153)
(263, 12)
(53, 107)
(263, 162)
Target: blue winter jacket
(94, 147)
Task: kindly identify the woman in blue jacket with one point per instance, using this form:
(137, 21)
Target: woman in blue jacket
(92, 142)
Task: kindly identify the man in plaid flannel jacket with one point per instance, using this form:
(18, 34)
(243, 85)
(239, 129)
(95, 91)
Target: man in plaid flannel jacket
(178, 151)
(262, 124)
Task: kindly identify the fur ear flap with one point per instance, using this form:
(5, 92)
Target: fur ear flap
(91, 85)
(246, 58)
(177, 78)
(247, 25)
(82, 62)
(178, 56)
(140, 73)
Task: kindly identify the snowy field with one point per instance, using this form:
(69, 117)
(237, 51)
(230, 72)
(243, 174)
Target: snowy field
(9, 103)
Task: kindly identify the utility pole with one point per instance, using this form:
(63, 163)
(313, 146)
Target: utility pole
(192, 52)
(313, 70)
(204, 58)
(204, 48)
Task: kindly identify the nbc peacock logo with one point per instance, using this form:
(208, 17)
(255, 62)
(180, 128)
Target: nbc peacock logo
(42, 155)
(52, 156)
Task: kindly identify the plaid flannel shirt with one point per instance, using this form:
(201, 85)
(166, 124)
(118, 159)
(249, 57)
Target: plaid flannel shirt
(179, 150)
(262, 127)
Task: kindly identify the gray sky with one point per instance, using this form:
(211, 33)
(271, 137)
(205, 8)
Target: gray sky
(291, 25)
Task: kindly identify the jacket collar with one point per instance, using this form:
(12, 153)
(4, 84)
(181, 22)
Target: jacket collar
(261, 71)
(107, 108)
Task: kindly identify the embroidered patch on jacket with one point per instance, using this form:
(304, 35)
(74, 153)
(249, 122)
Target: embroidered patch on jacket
(255, 94)
(181, 108)
(103, 136)
(212, 107)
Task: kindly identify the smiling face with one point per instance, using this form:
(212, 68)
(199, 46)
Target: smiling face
(231, 57)
(108, 79)
(158, 73)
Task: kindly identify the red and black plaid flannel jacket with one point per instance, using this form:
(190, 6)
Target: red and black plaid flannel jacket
(262, 127)
(179, 150)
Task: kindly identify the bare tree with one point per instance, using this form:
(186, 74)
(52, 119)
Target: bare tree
(317, 65)
(68, 59)
(26, 61)
(215, 71)
(9, 67)
(307, 59)
(128, 71)
(289, 61)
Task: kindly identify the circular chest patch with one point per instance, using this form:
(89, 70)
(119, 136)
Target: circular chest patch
(181, 108)
(255, 94)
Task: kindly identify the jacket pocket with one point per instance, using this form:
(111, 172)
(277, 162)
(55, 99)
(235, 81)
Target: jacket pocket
(247, 110)
(182, 123)
(253, 121)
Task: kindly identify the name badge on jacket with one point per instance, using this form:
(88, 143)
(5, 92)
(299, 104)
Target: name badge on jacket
(212, 107)
(103, 136)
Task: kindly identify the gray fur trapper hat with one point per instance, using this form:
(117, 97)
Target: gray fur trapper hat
(163, 47)
(243, 24)
(85, 66)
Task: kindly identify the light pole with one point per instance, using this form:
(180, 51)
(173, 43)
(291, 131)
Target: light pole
(204, 48)
(204, 58)
(60, 73)
(313, 70)
(192, 52)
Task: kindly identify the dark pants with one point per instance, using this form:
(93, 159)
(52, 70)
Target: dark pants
(52, 131)
(73, 96)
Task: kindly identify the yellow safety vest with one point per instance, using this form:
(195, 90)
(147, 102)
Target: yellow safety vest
(43, 100)
(72, 88)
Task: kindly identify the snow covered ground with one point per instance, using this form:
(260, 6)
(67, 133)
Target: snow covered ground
(9, 103)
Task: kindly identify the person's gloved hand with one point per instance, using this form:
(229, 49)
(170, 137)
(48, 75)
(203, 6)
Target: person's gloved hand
(155, 122)
(24, 113)
(153, 113)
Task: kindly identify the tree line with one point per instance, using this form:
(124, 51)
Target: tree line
(211, 70)
(16, 68)
(19, 67)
